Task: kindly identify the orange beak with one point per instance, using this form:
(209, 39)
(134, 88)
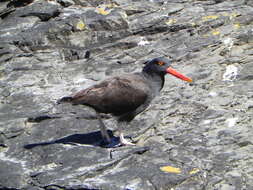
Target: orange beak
(177, 74)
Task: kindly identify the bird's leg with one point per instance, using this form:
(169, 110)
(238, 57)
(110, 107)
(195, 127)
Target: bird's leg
(123, 141)
(103, 130)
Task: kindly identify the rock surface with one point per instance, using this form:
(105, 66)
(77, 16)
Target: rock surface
(203, 130)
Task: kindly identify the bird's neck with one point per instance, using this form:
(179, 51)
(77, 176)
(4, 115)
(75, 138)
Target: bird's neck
(156, 80)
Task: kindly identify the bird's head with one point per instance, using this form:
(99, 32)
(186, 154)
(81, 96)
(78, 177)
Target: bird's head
(161, 66)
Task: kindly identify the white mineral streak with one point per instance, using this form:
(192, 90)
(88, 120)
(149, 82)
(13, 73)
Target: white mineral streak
(228, 42)
(143, 42)
(231, 121)
(230, 73)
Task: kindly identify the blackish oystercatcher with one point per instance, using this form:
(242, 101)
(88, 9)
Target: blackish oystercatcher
(127, 95)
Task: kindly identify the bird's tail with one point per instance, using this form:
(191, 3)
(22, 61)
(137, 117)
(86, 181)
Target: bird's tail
(65, 99)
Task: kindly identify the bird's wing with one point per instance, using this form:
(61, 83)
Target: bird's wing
(117, 95)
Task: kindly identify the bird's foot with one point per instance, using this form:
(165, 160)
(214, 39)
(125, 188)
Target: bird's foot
(125, 142)
(116, 142)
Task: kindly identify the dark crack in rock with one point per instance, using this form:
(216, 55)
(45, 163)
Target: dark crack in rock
(202, 131)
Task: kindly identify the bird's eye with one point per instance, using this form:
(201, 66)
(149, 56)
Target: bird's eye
(160, 63)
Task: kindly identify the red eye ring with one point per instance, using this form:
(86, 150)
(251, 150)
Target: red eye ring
(160, 63)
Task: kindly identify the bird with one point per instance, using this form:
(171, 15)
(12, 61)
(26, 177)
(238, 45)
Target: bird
(125, 96)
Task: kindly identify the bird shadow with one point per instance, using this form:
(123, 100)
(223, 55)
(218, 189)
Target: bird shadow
(93, 138)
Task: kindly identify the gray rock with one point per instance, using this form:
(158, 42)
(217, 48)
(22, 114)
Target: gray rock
(203, 130)
(66, 3)
(41, 9)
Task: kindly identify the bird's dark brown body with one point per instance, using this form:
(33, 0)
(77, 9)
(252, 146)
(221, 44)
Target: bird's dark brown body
(127, 95)
(117, 95)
